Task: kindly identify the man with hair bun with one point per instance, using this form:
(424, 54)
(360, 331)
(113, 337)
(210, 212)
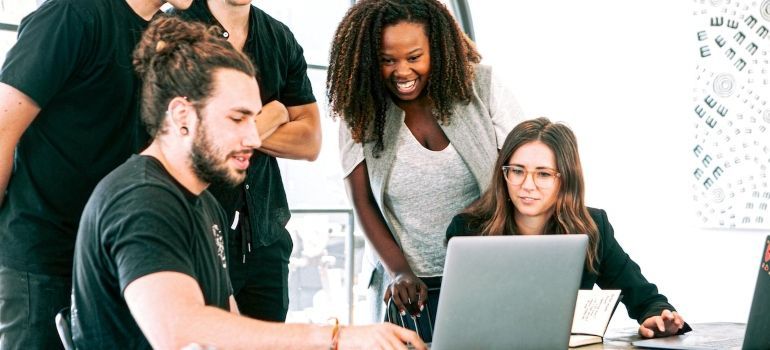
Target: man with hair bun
(150, 269)
(68, 102)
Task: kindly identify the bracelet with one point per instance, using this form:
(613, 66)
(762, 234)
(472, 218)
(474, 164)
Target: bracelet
(335, 333)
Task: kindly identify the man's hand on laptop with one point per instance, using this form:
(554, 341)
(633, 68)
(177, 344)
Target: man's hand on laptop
(379, 336)
(668, 323)
(409, 293)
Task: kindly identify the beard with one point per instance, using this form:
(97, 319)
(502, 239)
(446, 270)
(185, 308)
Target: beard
(210, 163)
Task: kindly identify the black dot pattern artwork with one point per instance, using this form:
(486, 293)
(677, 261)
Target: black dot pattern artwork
(731, 114)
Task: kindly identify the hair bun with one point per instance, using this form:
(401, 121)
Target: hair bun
(166, 36)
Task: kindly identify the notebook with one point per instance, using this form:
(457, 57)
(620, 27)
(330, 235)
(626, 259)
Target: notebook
(593, 312)
(509, 292)
(754, 335)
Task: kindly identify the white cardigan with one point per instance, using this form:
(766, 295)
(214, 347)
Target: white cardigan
(476, 130)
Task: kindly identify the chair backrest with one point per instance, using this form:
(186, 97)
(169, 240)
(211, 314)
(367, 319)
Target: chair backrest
(424, 324)
(63, 327)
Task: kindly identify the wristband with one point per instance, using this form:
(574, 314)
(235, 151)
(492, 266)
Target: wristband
(335, 333)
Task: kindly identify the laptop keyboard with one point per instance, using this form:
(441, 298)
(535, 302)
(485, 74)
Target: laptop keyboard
(725, 344)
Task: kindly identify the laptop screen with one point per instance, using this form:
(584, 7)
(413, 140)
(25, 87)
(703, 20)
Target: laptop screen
(757, 334)
(509, 292)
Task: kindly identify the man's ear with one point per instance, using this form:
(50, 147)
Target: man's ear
(181, 114)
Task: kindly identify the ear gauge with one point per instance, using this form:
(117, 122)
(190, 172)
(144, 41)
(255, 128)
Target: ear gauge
(160, 45)
(183, 130)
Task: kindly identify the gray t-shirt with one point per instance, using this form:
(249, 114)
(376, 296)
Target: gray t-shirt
(424, 191)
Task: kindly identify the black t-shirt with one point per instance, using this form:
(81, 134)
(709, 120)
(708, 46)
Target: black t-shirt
(283, 77)
(139, 221)
(73, 58)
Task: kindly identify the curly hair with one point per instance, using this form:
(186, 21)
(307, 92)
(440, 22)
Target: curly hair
(355, 89)
(177, 58)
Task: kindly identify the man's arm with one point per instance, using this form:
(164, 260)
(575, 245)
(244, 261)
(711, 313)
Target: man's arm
(290, 132)
(17, 111)
(170, 311)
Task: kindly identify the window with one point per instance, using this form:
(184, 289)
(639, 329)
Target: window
(11, 13)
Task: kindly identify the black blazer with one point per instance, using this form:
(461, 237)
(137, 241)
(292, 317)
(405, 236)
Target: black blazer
(615, 269)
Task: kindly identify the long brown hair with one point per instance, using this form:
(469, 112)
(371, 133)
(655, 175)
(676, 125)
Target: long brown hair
(493, 213)
(354, 86)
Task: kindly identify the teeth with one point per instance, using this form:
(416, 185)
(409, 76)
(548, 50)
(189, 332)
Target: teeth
(406, 84)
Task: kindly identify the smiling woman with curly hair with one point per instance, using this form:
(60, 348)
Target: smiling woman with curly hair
(422, 123)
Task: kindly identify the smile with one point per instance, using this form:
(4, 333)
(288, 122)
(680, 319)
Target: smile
(405, 87)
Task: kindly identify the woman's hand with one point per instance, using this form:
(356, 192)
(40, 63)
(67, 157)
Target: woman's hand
(409, 293)
(379, 336)
(668, 323)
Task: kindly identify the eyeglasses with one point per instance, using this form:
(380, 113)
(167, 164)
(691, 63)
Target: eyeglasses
(543, 177)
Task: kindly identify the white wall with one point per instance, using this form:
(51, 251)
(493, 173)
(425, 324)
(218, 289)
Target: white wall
(620, 73)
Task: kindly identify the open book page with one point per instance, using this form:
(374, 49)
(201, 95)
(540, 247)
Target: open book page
(576, 340)
(593, 311)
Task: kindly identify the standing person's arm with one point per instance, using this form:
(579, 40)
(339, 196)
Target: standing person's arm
(406, 285)
(17, 111)
(47, 52)
(300, 136)
(290, 132)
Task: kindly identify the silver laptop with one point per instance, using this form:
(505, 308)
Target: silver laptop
(752, 335)
(509, 292)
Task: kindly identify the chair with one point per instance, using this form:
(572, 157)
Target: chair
(63, 327)
(423, 324)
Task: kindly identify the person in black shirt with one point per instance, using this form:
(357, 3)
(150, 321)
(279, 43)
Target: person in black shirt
(67, 107)
(260, 246)
(150, 269)
(537, 189)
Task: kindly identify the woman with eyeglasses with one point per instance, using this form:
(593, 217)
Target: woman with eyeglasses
(536, 189)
